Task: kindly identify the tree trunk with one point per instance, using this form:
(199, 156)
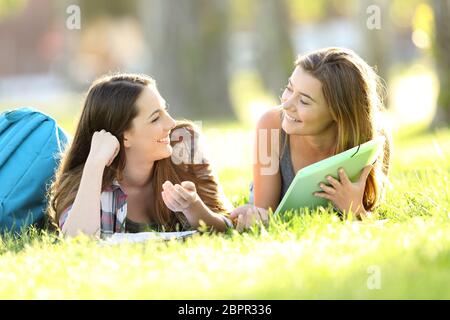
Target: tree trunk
(377, 42)
(188, 41)
(441, 10)
(274, 51)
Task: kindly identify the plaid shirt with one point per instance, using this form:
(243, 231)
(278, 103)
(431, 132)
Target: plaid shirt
(113, 200)
(113, 212)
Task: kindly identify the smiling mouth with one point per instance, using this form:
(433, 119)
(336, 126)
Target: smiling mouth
(165, 140)
(291, 118)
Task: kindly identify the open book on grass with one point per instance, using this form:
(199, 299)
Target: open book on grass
(146, 236)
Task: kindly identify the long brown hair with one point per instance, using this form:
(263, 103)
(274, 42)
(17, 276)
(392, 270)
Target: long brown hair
(110, 104)
(354, 94)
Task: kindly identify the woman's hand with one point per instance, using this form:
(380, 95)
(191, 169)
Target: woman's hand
(248, 215)
(104, 148)
(184, 198)
(84, 215)
(345, 195)
(180, 198)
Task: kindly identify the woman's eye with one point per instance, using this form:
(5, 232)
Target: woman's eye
(303, 102)
(153, 121)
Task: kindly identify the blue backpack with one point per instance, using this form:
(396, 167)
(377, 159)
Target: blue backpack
(30, 146)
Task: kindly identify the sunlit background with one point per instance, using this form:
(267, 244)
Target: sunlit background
(222, 62)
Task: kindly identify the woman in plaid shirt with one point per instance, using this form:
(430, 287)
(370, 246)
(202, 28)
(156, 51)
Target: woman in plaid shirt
(131, 167)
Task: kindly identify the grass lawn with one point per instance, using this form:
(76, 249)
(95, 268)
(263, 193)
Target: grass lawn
(300, 255)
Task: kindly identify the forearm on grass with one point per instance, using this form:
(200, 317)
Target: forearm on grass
(200, 211)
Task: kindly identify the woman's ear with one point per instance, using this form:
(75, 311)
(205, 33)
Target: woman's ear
(127, 140)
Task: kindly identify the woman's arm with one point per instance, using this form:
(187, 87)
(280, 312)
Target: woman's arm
(84, 216)
(266, 173)
(199, 211)
(184, 198)
(190, 152)
(81, 218)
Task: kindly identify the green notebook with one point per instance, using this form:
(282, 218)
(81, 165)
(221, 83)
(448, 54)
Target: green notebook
(307, 180)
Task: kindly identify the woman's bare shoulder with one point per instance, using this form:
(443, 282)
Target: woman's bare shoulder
(271, 119)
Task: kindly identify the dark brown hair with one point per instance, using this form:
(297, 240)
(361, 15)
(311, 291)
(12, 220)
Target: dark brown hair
(111, 105)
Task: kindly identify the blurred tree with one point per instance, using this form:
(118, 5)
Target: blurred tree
(115, 8)
(10, 7)
(306, 11)
(377, 41)
(401, 13)
(99, 46)
(242, 14)
(273, 46)
(189, 42)
(441, 50)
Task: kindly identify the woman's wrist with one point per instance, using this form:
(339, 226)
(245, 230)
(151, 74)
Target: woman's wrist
(200, 211)
(93, 163)
(194, 208)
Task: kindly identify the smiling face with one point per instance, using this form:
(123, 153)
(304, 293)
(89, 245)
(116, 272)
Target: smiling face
(148, 139)
(304, 106)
